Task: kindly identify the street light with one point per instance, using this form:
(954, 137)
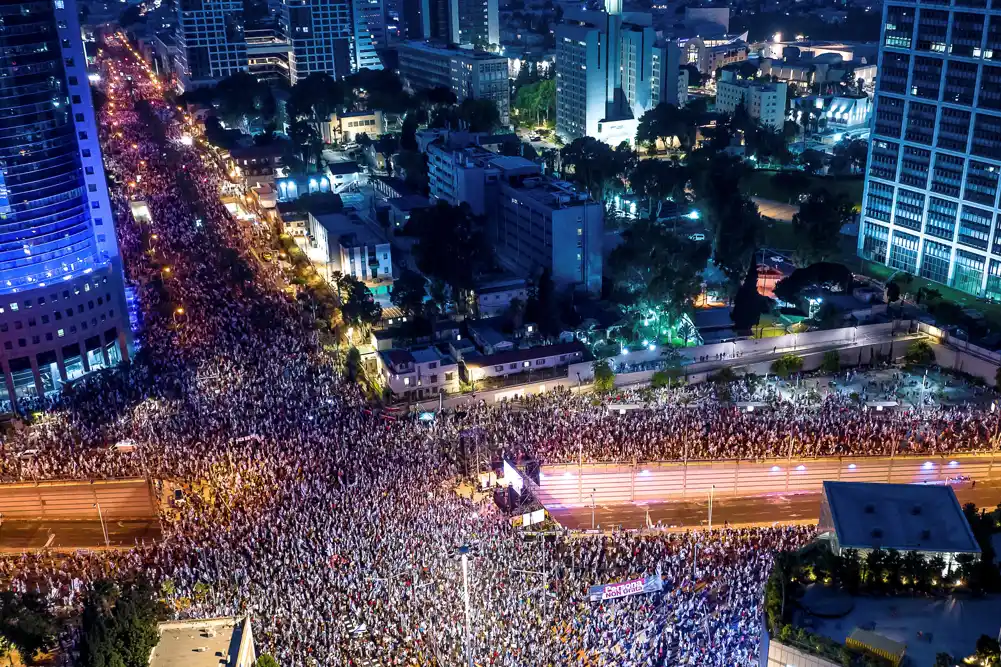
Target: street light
(178, 311)
(464, 552)
(104, 528)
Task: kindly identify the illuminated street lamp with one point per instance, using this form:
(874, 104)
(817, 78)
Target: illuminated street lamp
(178, 311)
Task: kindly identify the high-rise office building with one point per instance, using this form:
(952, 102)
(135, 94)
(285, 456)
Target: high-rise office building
(930, 204)
(62, 296)
(610, 70)
(468, 23)
(369, 34)
(319, 33)
(211, 43)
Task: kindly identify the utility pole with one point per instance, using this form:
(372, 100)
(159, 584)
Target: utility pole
(712, 489)
(592, 508)
(464, 550)
(104, 528)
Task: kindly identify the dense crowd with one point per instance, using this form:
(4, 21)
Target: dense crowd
(336, 529)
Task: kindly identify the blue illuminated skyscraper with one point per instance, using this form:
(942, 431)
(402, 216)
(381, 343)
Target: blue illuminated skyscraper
(62, 299)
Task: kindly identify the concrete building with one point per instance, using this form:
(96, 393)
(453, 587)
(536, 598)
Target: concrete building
(930, 203)
(710, 53)
(466, 72)
(421, 373)
(907, 517)
(345, 127)
(534, 222)
(765, 102)
(319, 33)
(63, 308)
(338, 242)
(494, 296)
(211, 43)
(574, 356)
(610, 69)
(205, 643)
(842, 112)
(466, 23)
(547, 224)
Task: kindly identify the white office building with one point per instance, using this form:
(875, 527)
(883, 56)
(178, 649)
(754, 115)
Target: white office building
(765, 102)
(930, 205)
(610, 70)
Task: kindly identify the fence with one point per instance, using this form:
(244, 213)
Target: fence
(610, 484)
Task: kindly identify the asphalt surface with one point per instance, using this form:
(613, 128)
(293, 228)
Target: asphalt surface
(18, 536)
(767, 509)
(119, 499)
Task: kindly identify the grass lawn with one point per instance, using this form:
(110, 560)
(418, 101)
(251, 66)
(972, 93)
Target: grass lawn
(760, 183)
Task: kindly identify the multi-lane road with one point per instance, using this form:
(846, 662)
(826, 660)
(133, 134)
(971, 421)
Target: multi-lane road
(760, 510)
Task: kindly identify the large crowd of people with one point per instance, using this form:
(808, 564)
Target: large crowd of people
(337, 530)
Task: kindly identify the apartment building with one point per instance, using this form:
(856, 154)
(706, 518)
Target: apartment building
(930, 205)
(765, 102)
(468, 73)
(421, 373)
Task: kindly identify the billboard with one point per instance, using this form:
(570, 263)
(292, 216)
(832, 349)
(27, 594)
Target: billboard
(513, 477)
(650, 584)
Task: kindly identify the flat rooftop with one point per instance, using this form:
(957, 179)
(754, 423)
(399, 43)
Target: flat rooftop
(907, 517)
(443, 50)
(207, 643)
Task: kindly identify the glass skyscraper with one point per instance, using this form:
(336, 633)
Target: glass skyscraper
(931, 195)
(62, 298)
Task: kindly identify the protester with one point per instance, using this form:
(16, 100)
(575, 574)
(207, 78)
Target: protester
(337, 529)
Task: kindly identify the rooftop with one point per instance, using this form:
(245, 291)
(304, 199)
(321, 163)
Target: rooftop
(577, 349)
(428, 354)
(453, 51)
(551, 193)
(207, 643)
(907, 517)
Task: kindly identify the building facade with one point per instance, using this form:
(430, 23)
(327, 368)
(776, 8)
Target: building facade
(211, 43)
(765, 102)
(610, 70)
(930, 204)
(468, 73)
(369, 34)
(63, 309)
(319, 35)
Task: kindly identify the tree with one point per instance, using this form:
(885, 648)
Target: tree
(988, 651)
(243, 101)
(850, 156)
(358, 306)
(695, 77)
(660, 124)
(919, 353)
(892, 292)
(132, 15)
(536, 102)
(314, 98)
(787, 365)
(353, 368)
(381, 89)
(542, 307)
(812, 160)
(818, 225)
(475, 115)
(265, 660)
(748, 305)
(594, 165)
(27, 623)
(450, 245)
(408, 293)
(831, 363)
(119, 625)
(656, 274)
(823, 275)
(658, 180)
(604, 377)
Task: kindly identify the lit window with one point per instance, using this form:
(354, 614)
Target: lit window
(61, 333)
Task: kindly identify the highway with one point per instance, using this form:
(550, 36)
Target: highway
(77, 500)
(569, 486)
(768, 509)
(19, 536)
